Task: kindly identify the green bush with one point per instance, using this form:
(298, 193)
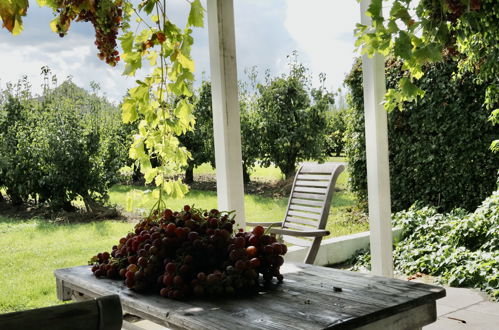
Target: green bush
(439, 145)
(63, 145)
(459, 247)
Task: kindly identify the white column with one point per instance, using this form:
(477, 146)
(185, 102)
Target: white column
(226, 122)
(378, 176)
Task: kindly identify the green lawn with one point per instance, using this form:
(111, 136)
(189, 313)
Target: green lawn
(33, 249)
(258, 172)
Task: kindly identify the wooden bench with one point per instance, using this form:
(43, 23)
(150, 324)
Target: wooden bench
(311, 297)
(102, 313)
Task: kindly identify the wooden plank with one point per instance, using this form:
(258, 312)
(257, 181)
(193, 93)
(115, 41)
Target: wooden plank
(306, 202)
(315, 168)
(308, 183)
(104, 313)
(305, 208)
(313, 177)
(308, 196)
(305, 215)
(296, 226)
(310, 189)
(306, 300)
(63, 293)
(412, 319)
(303, 221)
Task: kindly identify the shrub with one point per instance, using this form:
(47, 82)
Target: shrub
(459, 247)
(61, 146)
(439, 146)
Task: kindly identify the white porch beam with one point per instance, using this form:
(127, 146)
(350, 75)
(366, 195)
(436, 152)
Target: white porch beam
(378, 176)
(226, 119)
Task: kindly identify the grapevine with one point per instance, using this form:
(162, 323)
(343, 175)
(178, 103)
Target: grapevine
(192, 252)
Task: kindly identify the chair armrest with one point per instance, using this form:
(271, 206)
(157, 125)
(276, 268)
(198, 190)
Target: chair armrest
(305, 233)
(264, 224)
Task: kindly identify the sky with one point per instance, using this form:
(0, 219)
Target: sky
(321, 31)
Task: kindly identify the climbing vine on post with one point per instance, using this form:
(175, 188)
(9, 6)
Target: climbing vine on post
(145, 33)
(421, 32)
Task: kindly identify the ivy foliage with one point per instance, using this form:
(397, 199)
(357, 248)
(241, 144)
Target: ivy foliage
(421, 32)
(461, 248)
(292, 119)
(439, 148)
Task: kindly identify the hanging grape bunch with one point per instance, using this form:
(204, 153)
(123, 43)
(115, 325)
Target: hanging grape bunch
(105, 16)
(192, 252)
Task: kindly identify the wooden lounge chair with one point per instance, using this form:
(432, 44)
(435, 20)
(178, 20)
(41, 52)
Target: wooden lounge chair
(308, 207)
(103, 313)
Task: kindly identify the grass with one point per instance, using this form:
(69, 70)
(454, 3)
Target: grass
(33, 249)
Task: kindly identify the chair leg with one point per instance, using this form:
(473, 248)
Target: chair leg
(312, 252)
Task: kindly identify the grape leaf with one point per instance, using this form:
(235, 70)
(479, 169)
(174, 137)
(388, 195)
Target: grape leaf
(11, 13)
(196, 14)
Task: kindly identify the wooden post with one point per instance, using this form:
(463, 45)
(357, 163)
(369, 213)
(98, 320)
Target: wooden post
(378, 175)
(226, 122)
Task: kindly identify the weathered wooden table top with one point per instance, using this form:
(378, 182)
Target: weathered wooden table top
(306, 300)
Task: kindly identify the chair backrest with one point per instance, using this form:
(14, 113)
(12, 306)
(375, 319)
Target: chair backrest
(310, 199)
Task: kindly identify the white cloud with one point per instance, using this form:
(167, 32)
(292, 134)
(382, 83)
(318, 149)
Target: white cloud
(323, 29)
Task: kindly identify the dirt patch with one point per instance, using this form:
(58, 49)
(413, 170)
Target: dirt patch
(258, 186)
(30, 210)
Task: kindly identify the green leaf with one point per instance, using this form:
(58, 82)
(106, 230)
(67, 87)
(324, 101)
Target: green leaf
(128, 114)
(196, 14)
(127, 42)
(185, 62)
(403, 46)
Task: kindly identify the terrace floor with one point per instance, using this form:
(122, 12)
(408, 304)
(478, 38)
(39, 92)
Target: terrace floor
(465, 309)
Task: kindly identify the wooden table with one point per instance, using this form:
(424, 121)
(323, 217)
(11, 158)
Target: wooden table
(309, 298)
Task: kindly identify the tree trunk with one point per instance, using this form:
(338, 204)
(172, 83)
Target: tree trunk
(189, 174)
(246, 175)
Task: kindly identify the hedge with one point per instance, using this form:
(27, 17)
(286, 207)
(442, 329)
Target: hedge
(439, 146)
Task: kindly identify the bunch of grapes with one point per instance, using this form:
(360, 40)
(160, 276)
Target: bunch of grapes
(192, 252)
(105, 16)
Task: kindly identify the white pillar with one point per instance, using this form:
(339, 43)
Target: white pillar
(226, 122)
(378, 176)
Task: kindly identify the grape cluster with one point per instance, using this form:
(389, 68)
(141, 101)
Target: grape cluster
(192, 252)
(105, 16)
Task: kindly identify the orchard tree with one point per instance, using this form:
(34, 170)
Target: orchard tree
(419, 32)
(292, 119)
(155, 39)
(199, 142)
(336, 127)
